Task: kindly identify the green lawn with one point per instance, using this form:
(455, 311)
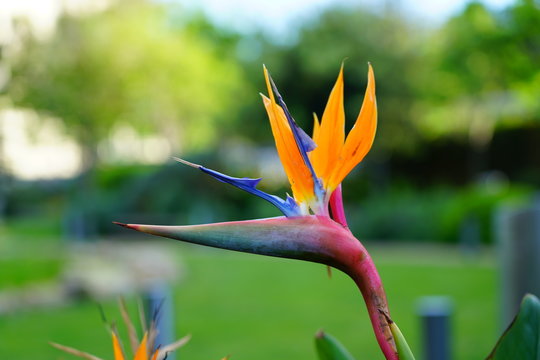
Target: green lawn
(260, 308)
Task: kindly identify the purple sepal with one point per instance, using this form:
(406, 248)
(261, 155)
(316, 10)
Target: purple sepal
(288, 207)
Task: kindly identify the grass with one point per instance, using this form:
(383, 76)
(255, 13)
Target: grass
(262, 308)
(30, 251)
(22, 271)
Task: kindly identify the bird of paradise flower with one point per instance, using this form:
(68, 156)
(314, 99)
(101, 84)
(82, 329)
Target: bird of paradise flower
(314, 227)
(142, 350)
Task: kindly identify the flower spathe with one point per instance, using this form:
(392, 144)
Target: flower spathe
(145, 349)
(141, 353)
(314, 227)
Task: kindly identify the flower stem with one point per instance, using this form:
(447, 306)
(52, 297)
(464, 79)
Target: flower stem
(360, 267)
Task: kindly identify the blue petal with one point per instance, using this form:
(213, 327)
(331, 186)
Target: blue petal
(288, 207)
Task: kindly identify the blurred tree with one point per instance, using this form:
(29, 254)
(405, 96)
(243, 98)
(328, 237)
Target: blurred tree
(130, 64)
(307, 69)
(482, 73)
(133, 65)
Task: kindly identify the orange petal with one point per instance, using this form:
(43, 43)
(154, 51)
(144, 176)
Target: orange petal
(316, 128)
(142, 351)
(297, 172)
(361, 136)
(331, 133)
(117, 348)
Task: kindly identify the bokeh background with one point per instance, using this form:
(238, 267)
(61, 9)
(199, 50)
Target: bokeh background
(96, 97)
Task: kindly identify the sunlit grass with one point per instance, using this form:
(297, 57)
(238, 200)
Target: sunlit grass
(16, 272)
(262, 308)
(30, 251)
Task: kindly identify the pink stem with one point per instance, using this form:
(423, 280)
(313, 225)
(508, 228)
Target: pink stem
(336, 205)
(360, 267)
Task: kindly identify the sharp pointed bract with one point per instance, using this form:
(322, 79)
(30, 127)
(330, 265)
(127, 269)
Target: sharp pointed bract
(121, 224)
(311, 238)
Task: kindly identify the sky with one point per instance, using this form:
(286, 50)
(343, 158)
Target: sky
(276, 17)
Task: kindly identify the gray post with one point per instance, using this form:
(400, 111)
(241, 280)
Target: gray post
(470, 236)
(159, 308)
(518, 237)
(435, 314)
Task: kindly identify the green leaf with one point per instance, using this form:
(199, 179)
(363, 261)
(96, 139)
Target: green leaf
(329, 348)
(522, 338)
(403, 349)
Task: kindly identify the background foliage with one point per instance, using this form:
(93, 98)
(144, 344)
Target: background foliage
(458, 136)
(457, 104)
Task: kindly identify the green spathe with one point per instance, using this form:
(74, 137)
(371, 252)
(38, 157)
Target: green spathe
(403, 349)
(329, 348)
(522, 338)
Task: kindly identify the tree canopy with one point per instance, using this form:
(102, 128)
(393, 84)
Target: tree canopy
(130, 64)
